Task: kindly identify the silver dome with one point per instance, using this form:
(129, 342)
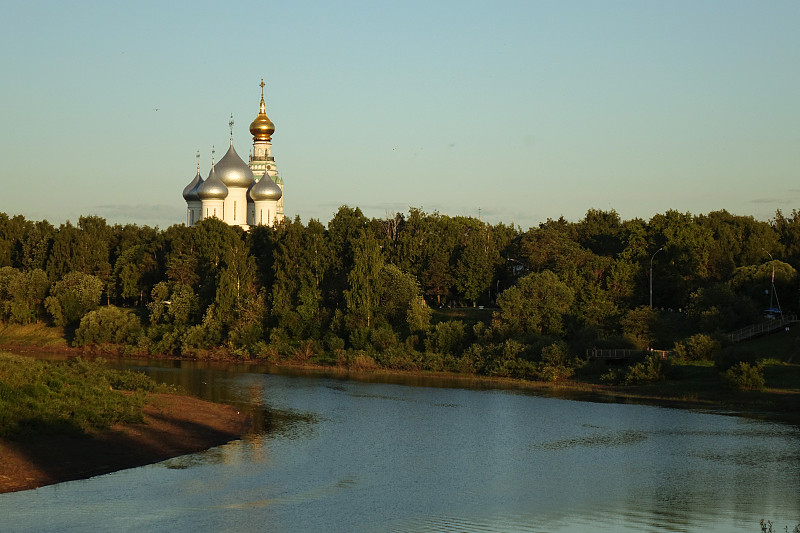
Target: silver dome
(212, 188)
(233, 171)
(265, 189)
(190, 191)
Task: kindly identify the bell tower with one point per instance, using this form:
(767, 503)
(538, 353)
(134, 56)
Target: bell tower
(261, 161)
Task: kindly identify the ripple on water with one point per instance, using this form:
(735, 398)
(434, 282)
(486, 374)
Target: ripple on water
(598, 440)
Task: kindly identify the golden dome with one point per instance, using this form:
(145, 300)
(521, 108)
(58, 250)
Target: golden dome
(262, 127)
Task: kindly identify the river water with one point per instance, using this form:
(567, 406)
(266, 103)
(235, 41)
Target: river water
(351, 456)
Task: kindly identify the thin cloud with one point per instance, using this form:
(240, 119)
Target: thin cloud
(143, 214)
(771, 201)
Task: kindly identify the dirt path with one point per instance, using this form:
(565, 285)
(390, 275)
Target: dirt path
(175, 425)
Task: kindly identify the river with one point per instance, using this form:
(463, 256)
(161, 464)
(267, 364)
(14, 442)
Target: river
(338, 455)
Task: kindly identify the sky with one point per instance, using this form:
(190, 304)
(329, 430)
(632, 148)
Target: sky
(516, 112)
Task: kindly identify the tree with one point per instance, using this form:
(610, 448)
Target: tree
(737, 241)
(72, 297)
(788, 230)
(687, 249)
(536, 305)
(212, 241)
(343, 230)
(639, 326)
(34, 248)
(182, 263)
(84, 248)
(27, 291)
(755, 281)
(236, 287)
(364, 283)
(133, 274)
(108, 325)
(476, 259)
(400, 300)
(717, 308)
(601, 232)
(301, 265)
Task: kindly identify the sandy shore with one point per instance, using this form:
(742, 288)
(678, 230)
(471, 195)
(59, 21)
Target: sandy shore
(174, 425)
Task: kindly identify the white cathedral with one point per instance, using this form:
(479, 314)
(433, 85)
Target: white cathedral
(235, 192)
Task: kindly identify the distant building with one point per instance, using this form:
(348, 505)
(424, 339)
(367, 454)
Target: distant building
(238, 193)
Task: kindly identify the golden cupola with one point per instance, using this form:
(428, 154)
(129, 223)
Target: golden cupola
(262, 127)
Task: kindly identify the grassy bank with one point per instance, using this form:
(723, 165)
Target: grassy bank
(685, 383)
(38, 334)
(75, 419)
(73, 397)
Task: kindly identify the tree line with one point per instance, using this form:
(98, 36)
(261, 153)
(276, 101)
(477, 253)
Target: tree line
(413, 291)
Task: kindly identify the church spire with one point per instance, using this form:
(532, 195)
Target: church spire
(262, 127)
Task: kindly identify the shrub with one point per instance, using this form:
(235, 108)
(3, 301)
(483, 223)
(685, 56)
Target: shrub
(360, 361)
(333, 343)
(383, 337)
(446, 337)
(399, 358)
(652, 368)
(359, 338)
(730, 356)
(108, 325)
(698, 347)
(744, 376)
(305, 351)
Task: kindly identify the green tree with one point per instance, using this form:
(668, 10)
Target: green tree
(28, 291)
(301, 264)
(344, 229)
(756, 281)
(72, 297)
(737, 241)
(448, 337)
(364, 282)
(34, 247)
(640, 326)
(108, 325)
(687, 249)
(537, 304)
(601, 232)
(85, 248)
(476, 259)
(400, 300)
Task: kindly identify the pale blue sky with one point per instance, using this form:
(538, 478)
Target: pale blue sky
(526, 110)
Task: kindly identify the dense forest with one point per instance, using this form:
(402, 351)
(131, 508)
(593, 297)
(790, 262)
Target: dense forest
(419, 291)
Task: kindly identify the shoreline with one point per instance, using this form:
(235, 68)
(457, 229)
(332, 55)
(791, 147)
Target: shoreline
(776, 404)
(174, 425)
(177, 424)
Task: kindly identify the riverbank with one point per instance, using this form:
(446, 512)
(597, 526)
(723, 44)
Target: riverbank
(697, 388)
(76, 419)
(174, 425)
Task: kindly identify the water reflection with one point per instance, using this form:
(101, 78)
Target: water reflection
(336, 455)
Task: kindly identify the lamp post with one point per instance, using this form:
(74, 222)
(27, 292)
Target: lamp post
(772, 295)
(651, 275)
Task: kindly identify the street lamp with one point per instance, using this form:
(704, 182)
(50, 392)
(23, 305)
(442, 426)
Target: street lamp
(772, 295)
(651, 276)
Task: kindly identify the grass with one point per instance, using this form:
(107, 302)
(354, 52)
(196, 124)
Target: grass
(40, 397)
(783, 346)
(32, 335)
(469, 315)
